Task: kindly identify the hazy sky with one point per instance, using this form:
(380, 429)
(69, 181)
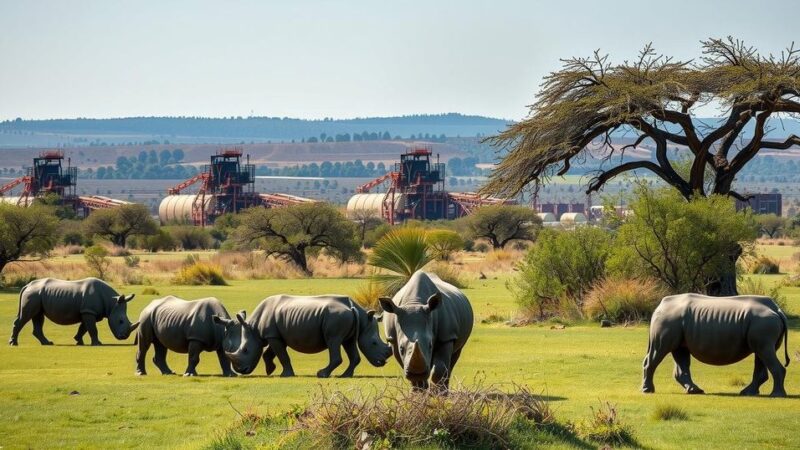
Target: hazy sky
(315, 59)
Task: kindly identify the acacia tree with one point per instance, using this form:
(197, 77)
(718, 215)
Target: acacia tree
(26, 231)
(293, 232)
(119, 223)
(501, 224)
(594, 109)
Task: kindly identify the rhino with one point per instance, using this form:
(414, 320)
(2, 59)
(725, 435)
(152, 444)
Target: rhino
(172, 323)
(427, 323)
(86, 301)
(718, 331)
(307, 325)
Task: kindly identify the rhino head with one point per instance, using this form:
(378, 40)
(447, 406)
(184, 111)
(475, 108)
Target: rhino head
(414, 340)
(369, 341)
(121, 327)
(241, 343)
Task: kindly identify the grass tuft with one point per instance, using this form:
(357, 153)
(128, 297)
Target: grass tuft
(605, 427)
(200, 273)
(670, 412)
(623, 300)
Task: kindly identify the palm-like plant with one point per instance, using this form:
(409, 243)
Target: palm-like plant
(401, 252)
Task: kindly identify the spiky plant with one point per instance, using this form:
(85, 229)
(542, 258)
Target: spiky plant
(399, 254)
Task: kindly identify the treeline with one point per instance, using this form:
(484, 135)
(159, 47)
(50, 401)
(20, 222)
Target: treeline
(374, 136)
(357, 169)
(275, 128)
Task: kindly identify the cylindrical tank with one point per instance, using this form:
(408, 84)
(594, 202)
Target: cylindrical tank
(573, 218)
(372, 202)
(178, 208)
(26, 201)
(547, 217)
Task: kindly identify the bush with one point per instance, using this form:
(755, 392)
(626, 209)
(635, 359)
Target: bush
(401, 252)
(558, 269)
(670, 412)
(475, 418)
(190, 238)
(131, 261)
(372, 236)
(623, 299)
(200, 273)
(367, 295)
(96, 258)
(765, 265)
(118, 251)
(444, 243)
(150, 291)
(15, 281)
(73, 238)
(752, 286)
(448, 274)
(605, 427)
(161, 241)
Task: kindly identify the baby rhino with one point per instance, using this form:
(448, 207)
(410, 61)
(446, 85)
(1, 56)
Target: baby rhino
(171, 323)
(307, 325)
(718, 331)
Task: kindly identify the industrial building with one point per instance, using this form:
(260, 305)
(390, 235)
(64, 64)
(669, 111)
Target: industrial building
(763, 203)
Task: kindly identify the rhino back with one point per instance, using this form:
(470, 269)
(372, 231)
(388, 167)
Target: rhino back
(300, 321)
(454, 316)
(175, 322)
(65, 301)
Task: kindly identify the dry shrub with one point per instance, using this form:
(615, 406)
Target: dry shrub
(448, 274)
(623, 299)
(256, 266)
(367, 294)
(66, 250)
(150, 291)
(764, 265)
(752, 286)
(605, 427)
(113, 250)
(393, 415)
(200, 273)
(670, 412)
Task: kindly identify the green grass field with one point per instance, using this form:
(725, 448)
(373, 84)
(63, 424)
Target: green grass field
(576, 367)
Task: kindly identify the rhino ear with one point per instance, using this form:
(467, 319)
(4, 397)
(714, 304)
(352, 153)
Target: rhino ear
(434, 301)
(379, 317)
(240, 316)
(370, 314)
(387, 304)
(221, 321)
(118, 299)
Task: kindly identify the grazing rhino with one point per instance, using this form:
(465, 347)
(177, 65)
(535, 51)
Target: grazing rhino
(307, 325)
(718, 331)
(86, 301)
(171, 323)
(428, 324)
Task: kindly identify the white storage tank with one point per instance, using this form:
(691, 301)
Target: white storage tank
(372, 202)
(547, 217)
(573, 218)
(26, 201)
(178, 208)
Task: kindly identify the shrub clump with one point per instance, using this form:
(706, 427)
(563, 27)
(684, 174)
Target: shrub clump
(765, 265)
(670, 412)
(200, 273)
(479, 417)
(752, 286)
(367, 295)
(623, 299)
(605, 427)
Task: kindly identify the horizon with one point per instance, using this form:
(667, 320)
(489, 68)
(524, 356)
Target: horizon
(316, 59)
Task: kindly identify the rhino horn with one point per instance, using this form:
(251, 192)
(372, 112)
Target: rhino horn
(416, 364)
(129, 298)
(134, 325)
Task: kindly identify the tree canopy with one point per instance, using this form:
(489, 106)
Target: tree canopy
(501, 224)
(119, 223)
(26, 231)
(293, 232)
(587, 107)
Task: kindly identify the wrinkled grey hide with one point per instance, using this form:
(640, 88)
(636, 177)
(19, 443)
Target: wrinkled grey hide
(171, 323)
(718, 331)
(307, 325)
(427, 324)
(86, 302)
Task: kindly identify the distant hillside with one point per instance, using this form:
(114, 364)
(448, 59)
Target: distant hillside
(77, 132)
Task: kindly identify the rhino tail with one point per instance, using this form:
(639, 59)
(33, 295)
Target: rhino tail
(785, 339)
(19, 305)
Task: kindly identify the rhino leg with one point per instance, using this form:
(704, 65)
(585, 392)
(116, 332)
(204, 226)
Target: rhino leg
(440, 372)
(766, 353)
(335, 358)
(759, 377)
(682, 373)
(279, 347)
(195, 348)
(655, 354)
(38, 332)
(351, 350)
(143, 345)
(269, 360)
(225, 364)
(160, 358)
(79, 335)
(89, 322)
(19, 322)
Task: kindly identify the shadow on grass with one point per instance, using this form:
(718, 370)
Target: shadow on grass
(764, 396)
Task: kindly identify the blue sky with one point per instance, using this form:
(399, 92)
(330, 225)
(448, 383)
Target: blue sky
(315, 59)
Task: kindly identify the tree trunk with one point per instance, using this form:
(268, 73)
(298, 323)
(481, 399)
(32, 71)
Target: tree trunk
(299, 258)
(725, 284)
